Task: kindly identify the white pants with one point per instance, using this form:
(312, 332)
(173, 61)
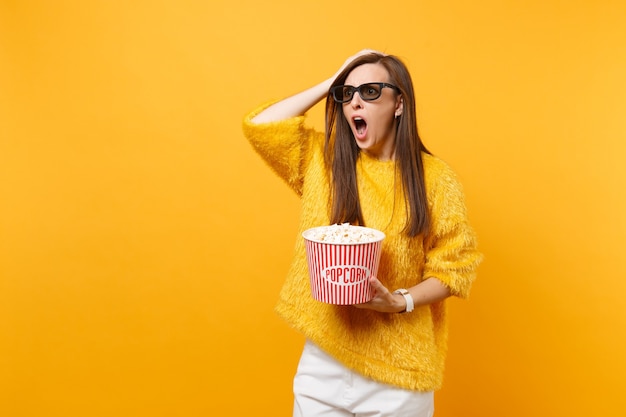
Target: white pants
(324, 387)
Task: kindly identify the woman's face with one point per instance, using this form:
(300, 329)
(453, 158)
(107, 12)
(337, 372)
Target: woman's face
(373, 122)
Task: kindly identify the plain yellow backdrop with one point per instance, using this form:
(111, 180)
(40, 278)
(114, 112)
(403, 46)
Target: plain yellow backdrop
(143, 243)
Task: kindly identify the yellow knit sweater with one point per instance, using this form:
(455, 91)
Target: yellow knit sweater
(405, 350)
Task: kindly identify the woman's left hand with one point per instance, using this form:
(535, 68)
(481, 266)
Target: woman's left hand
(383, 301)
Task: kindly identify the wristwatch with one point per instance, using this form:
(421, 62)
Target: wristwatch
(409, 300)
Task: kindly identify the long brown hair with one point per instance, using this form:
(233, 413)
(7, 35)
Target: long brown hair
(341, 151)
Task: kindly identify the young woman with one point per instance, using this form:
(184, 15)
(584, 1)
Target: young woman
(384, 357)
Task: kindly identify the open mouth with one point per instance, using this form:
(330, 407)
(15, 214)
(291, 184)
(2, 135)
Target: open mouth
(360, 125)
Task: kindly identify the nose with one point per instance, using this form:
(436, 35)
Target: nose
(357, 101)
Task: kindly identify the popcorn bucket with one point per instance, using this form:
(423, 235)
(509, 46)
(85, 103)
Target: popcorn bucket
(341, 259)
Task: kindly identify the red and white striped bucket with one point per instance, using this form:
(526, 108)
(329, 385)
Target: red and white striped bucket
(339, 272)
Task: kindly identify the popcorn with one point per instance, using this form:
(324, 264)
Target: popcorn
(343, 234)
(341, 258)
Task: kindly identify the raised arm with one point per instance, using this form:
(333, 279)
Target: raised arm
(295, 105)
(300, 103)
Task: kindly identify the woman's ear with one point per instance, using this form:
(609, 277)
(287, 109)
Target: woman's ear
(399, 106)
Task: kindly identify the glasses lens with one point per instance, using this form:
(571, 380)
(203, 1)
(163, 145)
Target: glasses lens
(342, 93)
(370, 91)
(346, 93)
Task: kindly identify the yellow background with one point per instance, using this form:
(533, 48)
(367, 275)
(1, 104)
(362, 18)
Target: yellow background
(143, 243)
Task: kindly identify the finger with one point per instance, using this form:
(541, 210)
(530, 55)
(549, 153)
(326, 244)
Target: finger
(377, 286)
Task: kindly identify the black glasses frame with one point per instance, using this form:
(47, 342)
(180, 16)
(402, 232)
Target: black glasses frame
(337, 91)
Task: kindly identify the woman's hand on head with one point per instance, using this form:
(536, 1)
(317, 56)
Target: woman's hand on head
(384, 301)
(298, 104)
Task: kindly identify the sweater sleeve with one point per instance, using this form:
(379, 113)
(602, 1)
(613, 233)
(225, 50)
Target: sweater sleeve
(283, 145)
(451, 247)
